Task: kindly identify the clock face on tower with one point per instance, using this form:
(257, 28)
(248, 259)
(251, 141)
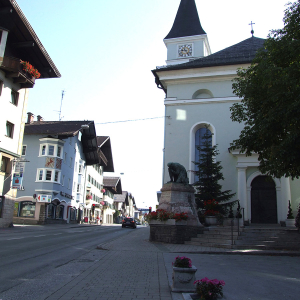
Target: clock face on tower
(185, 50)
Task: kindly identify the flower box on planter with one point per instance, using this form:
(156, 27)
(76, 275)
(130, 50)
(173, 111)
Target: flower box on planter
(183, 279)
(158, 222)
(290, 222)
(211, 220)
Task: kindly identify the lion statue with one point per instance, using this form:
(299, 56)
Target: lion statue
(177, 173)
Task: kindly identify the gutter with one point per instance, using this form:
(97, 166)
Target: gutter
(158, 82)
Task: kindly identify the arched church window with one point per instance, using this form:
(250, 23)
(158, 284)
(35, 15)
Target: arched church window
(200, 141)
(203, 93)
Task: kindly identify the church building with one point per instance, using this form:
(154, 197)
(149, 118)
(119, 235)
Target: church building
(198, 93)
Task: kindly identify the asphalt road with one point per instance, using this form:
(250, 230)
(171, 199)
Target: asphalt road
(30, 257)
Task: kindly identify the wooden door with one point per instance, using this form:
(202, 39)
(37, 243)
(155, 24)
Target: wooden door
(263, 200)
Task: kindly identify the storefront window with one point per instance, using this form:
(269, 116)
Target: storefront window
(72, 214)
(27, 209)
(51, 211)
(16, 209)
(60, 212)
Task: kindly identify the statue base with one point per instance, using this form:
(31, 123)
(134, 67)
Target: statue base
(177, 198)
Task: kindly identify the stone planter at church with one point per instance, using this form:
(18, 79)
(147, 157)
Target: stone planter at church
(158, 222)
(183, 279)
(290, 222)
(211, 220)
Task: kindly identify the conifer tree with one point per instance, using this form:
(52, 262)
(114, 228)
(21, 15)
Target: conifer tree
(209, 173)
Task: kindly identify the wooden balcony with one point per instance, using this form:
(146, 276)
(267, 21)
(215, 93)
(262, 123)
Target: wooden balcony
(14, 69)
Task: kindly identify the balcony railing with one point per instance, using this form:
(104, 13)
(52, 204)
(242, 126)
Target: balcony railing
(14, 69)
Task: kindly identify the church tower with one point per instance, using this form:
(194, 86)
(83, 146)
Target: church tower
(186, 40)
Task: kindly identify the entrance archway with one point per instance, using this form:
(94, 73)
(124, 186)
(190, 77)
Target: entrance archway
(263, 200)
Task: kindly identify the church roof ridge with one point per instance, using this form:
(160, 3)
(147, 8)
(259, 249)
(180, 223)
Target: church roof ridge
(242, 52)
(187, 22)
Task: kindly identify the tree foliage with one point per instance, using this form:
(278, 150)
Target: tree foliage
(209, 173)
(270, 106)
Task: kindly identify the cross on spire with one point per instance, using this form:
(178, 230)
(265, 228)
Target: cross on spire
(252, 31)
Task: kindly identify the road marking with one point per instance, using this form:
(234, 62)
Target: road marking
(57, 233)
(19, 238)
(39, 235)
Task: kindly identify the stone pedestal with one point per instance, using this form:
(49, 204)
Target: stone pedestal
(177, 198)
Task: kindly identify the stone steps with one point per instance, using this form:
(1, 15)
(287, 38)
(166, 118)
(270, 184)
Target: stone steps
(217, 237)
(264, 237)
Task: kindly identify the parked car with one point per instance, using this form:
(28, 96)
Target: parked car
(137, 222)
(128, 222)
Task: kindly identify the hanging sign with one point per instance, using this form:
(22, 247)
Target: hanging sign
(17, 181)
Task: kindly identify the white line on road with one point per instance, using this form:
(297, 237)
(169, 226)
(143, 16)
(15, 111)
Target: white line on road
(19, 238)
(39, 235)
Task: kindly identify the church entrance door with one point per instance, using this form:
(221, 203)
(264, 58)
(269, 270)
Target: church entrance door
(263, 200)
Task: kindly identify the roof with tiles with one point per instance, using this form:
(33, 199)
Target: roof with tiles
(113, 184)
(121, 197)
(66, 128)
(110, 181)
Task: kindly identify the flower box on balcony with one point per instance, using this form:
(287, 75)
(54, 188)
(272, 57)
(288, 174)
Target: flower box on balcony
(14, 69)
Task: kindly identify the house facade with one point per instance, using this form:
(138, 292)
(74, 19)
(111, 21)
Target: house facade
(57, 154)
(18, 44)
(112, 186)
(95, 209)
(198, 94)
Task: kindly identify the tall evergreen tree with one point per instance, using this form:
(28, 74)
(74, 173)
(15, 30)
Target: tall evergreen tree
(208, 174)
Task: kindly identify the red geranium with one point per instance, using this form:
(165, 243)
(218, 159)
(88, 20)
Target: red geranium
(27, 67)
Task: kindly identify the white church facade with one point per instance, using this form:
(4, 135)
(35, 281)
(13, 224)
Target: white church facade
(198, 93)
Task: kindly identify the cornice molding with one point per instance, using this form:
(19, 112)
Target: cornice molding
(174, 101)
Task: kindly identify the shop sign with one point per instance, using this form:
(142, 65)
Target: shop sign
(20, 167)
(44, 198)
(66, 195)
(17, 181)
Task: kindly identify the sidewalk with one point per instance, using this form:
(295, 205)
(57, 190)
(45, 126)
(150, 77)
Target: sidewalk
(131, 267)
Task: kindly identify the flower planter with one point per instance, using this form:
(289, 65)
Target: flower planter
(211, 220)
(158, 222)
(290, 222)
(182, 222)
(183, 279)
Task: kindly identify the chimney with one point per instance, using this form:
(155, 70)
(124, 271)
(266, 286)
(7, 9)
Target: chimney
(30, 117)
(40, 118)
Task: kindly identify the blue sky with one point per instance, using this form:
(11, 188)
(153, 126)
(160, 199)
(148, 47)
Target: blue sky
(105, 51)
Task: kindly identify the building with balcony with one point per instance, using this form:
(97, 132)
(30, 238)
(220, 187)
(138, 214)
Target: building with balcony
(54, 178)
(112, 186)
(94, 200)
(20, 49)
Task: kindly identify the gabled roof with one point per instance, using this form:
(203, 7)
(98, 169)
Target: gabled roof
(23, 39)
(186, 22)
(65, 129)
(241, 53)
(105, 153)
(113, 184)
(121, 197)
